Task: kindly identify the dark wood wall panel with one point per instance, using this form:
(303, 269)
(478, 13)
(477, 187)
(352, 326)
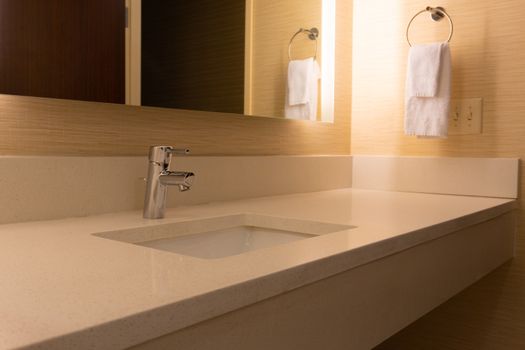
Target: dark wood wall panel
(71, 49)
(193, 54)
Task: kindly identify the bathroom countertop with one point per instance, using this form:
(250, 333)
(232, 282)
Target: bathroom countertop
(63, 288)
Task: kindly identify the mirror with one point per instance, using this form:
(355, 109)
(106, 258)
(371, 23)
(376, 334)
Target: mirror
(229, 56)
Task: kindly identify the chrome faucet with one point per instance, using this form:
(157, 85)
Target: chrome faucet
(160, 177)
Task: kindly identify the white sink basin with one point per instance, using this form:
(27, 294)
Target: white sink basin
(219, 237)
(225, 242)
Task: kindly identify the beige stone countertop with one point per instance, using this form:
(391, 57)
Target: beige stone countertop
(63, 288)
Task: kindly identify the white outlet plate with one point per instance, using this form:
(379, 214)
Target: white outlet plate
(466, 116)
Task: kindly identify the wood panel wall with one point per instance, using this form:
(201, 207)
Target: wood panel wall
(488, 50)
(63, 49)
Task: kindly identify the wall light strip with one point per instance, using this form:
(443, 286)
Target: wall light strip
(328, 60)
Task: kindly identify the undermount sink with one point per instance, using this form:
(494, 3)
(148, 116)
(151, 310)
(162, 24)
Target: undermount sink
(219, 237)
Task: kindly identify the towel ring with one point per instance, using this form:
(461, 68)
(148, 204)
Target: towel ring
(313, 34)
(437, 14)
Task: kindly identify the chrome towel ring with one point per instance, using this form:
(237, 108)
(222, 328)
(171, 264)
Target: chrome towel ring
(313, 34)
(437, 14)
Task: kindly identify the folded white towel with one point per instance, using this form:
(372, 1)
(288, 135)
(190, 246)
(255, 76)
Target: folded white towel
(302, 91)
(428, 90)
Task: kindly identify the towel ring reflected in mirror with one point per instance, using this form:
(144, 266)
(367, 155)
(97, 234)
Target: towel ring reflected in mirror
(437, 14)
(313, 34)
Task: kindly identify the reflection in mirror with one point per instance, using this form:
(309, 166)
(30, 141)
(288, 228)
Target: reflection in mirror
(193, 54)
(268, 57)
(229, 56)
(236, 56)
(67, 49)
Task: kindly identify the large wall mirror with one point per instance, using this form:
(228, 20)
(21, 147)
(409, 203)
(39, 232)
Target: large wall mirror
(223, 56)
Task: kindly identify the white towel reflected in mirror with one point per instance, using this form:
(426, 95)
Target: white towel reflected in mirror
(302, 91)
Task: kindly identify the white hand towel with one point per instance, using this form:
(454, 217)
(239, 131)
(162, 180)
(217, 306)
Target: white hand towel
(428, 90)
(302, 91)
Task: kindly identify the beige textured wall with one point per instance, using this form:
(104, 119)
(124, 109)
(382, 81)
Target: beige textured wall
(488, 51)
(273, 24)
(38, 126)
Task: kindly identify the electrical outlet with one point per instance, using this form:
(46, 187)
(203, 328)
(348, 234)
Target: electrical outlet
(465, 116)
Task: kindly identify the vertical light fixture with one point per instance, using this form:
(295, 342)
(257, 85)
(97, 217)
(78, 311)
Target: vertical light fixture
(328, 61)
(133, 51)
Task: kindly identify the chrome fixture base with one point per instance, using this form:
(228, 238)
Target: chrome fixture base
(160, 177)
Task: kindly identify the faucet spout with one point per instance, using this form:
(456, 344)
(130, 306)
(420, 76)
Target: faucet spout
(182, 179)
(184, 188)
(160, 177)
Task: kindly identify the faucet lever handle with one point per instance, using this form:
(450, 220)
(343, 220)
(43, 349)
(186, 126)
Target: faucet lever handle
(162, 154)
(178, 151)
